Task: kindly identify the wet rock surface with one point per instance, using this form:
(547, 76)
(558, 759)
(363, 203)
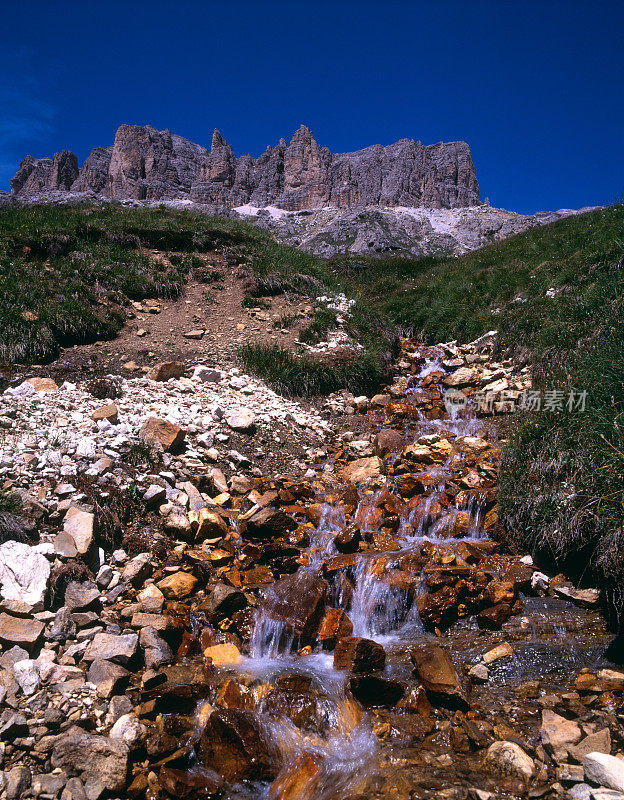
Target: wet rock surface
(175, 626)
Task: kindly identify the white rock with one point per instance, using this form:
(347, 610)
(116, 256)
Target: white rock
(130, 730)
(27, 675)
(241, 420)
(508, 758)
(24, 574)
(86, 448)
(605, 770)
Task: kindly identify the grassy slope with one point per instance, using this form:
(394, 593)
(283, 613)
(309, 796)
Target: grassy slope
(67, 272)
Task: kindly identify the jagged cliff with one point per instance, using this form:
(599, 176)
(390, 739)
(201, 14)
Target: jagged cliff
(146, 164)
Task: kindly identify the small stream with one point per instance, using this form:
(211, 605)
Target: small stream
(332, 746)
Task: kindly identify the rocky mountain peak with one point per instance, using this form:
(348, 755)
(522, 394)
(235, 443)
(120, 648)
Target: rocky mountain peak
(217, 140)
(146, 164)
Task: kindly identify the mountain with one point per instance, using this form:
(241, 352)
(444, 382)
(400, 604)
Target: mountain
(147, 164)
(405, 198)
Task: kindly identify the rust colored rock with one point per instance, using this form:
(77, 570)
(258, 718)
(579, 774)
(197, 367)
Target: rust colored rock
(493, 618)
(303, 709)
(336, 625)
(409, 485)
(362, 469)
(233, 695)
(298, 781)
(109, 412)
(235, 744)
(167, 370)
(178, 585)
(371, 690)
(356, 654)
(188, 785)
(160, 432)
(348, 539)
(436, 671)
(298, 600)
(269, 522)
(501, 592)
(388, 441)
(438, 609)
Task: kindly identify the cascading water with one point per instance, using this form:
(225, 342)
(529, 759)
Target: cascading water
(377, 609)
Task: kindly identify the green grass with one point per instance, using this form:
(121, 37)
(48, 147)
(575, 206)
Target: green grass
(66, 273)
(304, 376)
(322, 322)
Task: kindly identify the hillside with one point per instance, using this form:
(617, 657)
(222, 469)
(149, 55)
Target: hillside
(252, 499)
(553, 293)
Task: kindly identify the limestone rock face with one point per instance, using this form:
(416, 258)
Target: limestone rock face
(147, 164)
(37, 174)
(94, 172)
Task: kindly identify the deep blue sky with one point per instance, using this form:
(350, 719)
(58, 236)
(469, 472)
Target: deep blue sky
(536, 88)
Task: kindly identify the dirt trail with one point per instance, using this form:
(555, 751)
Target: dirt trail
(156, 328)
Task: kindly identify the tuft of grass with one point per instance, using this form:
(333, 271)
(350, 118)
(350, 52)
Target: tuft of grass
(254, 302)
(322, 322)
(303, 376)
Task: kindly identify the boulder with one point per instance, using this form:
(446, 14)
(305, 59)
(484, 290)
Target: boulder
(189, 785)
(270, 522)
(178, 585)
(108, 412)
(161, 433)
(598, 742)
(223, 601)
(24, 574)
(372, 690)
(362, 469)
(129, 730)
(151, 599)
(108, 678)
(242, 420)
(167, 370)
(120, 649)
(356, 654)
(27, 675)
(95, 757)
(509, 759)
(298, 600)
(335, 625)
(207, 524)
(223, 655)
(17, 631)
(388, 441)
(558, 733)
(137, 570)
(81, 596)
(300, 780)
(435, 669)
(79, 525)
(237, 747)
(464, 376)
(605, 770)
(42, 384)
